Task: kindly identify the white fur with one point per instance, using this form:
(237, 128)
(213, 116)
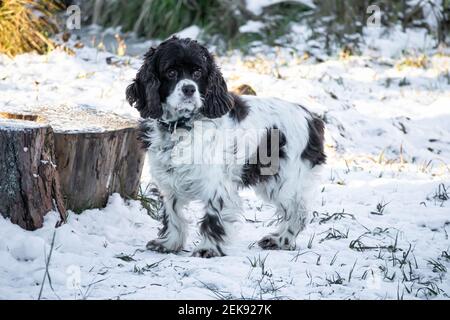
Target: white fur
(178, 105)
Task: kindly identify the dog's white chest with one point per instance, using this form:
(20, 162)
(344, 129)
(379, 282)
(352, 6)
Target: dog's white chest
(188, 161)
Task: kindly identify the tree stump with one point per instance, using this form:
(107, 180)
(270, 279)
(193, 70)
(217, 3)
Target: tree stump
(94, 165)
(96, 154)
(29, 183)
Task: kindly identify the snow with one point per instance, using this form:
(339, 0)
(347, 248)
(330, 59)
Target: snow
(82, 118)
(251, 27)
(58, 79)
(381, 215)
(257, 6)
(13, 124)
(377, 40)
(190, 32)
(432, 12)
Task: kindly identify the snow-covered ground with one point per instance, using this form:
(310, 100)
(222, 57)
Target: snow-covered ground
(381, 216)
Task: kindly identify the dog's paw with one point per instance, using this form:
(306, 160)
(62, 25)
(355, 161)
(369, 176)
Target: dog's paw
(208, 253)
(269, 243)
(272, 242)
(159, 245)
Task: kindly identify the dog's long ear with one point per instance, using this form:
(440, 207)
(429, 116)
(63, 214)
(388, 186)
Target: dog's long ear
(218, 101)
(144, 91)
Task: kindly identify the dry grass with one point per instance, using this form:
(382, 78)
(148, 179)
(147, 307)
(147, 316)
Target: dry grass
(16, 116)
(420, 61)
(25, 26)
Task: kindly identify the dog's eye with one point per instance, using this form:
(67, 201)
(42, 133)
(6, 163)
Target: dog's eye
(197, 74)
(172, 74)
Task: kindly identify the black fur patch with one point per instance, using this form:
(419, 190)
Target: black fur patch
(165, 222)
(314, 151)
(221, 202)
(220, 250)
(240, 109)
(251, 171)
(174, 203)
(212, 227)
(142, 136)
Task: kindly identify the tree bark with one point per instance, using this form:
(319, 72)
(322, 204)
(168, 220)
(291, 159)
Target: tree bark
(29, 183)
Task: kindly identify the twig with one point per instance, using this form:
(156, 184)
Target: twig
(47, 264)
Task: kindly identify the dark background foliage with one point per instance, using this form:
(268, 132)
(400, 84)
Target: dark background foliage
(342, 20)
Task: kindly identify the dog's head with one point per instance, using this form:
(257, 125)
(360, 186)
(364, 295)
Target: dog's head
(178, 79)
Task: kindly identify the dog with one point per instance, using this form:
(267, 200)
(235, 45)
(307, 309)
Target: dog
(190, 120)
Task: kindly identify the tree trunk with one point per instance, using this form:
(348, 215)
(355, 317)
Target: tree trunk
(29, 184)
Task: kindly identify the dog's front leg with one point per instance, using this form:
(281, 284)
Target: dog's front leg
(221, 212)
(172, 236)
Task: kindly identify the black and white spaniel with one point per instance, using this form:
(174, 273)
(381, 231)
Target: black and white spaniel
(205, 143)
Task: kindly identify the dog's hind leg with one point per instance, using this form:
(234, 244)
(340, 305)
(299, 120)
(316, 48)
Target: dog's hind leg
(293, 215)
(289, 194)
(172, 236)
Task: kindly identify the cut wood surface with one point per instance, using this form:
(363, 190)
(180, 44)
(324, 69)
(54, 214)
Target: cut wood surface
(93, 155)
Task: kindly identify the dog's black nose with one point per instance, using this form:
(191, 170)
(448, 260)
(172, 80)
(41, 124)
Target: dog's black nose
(189, 90)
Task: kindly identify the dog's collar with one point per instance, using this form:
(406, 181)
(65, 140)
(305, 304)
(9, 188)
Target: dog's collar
(171, 126)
